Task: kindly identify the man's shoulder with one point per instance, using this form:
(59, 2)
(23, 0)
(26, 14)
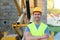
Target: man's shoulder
(29, 23)
(44, 23)
(27, 29)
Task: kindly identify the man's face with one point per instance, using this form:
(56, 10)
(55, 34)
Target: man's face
(37, 16)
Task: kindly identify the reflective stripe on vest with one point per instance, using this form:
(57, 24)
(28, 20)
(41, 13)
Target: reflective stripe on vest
(37, 32)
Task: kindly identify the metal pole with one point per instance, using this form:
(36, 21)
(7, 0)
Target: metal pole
(28, 9)
(35, 3)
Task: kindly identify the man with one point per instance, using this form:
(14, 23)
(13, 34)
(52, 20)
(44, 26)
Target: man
(37, 30)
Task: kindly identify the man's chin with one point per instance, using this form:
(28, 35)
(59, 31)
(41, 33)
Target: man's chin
(37, 20)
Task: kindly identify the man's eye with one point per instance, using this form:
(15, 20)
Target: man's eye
(38, 14)
(35, 14)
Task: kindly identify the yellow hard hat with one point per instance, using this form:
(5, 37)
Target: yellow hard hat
(36, 9)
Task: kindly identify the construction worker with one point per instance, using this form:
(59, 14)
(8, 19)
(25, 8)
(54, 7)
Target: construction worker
(36, 30)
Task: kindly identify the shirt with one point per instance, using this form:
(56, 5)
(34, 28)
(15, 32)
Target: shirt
(37, 26)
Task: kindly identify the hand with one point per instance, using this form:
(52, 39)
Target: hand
(38, 38)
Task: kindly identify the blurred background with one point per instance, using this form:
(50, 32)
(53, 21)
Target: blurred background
(16, 14)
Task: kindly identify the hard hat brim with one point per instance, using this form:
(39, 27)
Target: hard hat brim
(37, 11)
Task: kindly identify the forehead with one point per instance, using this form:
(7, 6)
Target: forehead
(36, 12)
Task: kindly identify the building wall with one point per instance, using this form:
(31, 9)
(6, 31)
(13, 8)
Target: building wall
(8, 14)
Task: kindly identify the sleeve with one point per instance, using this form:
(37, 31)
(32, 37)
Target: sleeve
(47, 31)
(27, 29)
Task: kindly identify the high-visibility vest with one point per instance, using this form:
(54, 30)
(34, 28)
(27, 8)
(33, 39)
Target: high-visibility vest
(37, 32)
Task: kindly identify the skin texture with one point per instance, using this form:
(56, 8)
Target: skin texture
(28, 36)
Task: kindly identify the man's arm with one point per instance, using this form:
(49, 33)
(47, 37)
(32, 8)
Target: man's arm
(29, 37)
(46, 36)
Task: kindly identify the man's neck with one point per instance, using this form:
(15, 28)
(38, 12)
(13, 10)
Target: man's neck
(37, 22)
